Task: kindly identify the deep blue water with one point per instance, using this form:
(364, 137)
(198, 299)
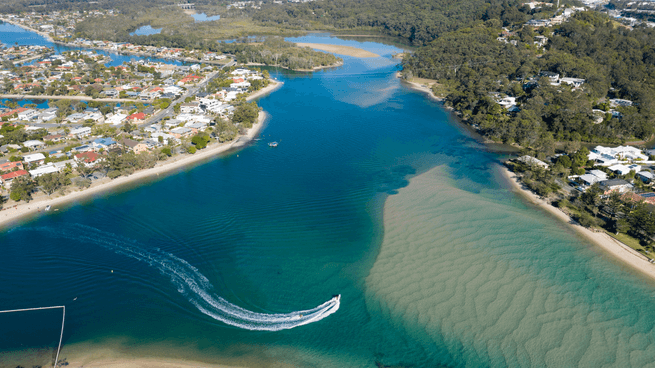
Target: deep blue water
(277, 230)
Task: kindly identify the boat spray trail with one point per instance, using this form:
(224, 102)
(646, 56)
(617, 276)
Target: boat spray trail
(191, 283)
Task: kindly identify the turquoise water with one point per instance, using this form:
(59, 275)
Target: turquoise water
(435, 268)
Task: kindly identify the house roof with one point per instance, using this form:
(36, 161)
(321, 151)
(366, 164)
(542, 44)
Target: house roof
(13, 175)
(88, 156)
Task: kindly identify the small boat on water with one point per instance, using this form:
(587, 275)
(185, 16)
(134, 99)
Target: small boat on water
(272, 144)
(47, 208)
(336, 297)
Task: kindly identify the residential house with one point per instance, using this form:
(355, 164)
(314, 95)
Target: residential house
(624, 169)
(103, 143)
(6, 179)
(615, 102)
(10, 166)
(645, 176)
(135, 146)
(615, 185)
(116, 119)
(181, 132)
(42, 170)
(33, 144)
(575, 82)
(80, 132)
(28, 114)
(531, 161)
(87, 158)
(35, 158)
(190, 108)
(136, 117)
(54, 137)
(76, 118)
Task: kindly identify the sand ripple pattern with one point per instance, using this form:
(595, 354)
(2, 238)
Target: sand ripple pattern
(190, 282)
(497, 286)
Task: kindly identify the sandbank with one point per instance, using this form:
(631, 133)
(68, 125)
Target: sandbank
(140, 363)
(266, 90)
(12, 213)
(610, 245)
(341, 50)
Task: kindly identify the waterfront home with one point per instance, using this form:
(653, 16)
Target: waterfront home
(531, 161)
(11, 166)
(135, 146)
(615, 185)
(47, 115)
(33, 144)
(6, 179)
(87, 158)
(80, 132)
(35, 158)
(165, 137)
(45, 169)
(62, 164)
(594, 176)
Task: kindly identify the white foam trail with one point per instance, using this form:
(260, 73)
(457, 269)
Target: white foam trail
(193, 284)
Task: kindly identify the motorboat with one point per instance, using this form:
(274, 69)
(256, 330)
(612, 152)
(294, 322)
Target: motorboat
(47, 208)
(336, 297)
(272, 144)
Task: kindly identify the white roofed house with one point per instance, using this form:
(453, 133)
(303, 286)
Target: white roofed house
(45, 169)
(80, 132)
(645, 176)
(37, 158)
(33, 144)
(610, 156)
(615, 185)
(574, 82)
(116, 119)
(27, 114)
(624, 169)
(531, 161)
(191, 107)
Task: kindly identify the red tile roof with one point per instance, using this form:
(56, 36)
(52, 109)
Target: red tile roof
(13, 174)
(88, 156)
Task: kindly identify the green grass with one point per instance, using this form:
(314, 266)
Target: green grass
(631, 242)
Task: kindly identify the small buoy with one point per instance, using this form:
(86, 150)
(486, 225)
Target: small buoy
(112, 271)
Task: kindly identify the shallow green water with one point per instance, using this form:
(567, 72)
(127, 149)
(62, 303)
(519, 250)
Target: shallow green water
(458, 273)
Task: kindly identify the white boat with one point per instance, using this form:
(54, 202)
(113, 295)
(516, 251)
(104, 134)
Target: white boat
(47, 208)
(272, 144)
(337, 298)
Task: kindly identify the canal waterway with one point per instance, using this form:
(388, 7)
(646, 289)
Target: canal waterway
(374, 193)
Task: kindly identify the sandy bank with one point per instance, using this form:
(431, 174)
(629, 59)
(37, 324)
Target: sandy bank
(610, 245)
(141, 363)
(341, 50)
(266, 90)
(10, 214)
(420, 87)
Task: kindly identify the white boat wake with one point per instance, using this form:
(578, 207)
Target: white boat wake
(193, 284)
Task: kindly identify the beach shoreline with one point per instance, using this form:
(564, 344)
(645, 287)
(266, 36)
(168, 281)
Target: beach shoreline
(340, 50)
(11, 215)
(419, 87)
(609, 245)
(266, 90)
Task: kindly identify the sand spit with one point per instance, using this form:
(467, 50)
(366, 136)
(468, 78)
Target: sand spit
(266, 90)
(12, 213)
(612, 246)
(340, 50)
(496, 284)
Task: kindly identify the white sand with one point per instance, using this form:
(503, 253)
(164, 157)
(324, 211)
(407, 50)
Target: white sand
(612, 246)
(420, 87)
(11, 213)
(266, 90)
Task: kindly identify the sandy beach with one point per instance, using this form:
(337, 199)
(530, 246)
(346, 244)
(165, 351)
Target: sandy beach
(610, 245)
(266, 90)
(10, 214)
(420, 87)
(341, 50)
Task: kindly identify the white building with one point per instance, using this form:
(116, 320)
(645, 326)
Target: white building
(33, 144)
(42, 170)
(35, 157)
(80, 132)
(116, 119)
(529, 160)
(610, 156)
